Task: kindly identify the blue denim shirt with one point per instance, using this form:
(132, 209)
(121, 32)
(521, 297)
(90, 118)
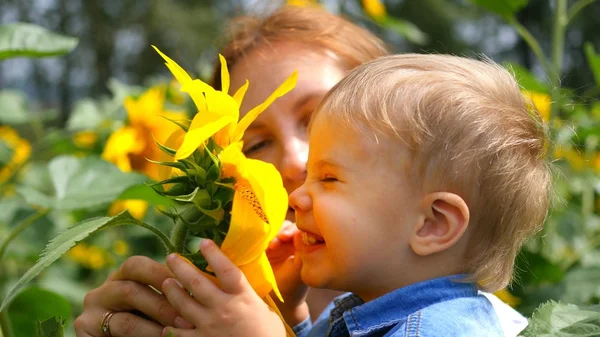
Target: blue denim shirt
(438, 307)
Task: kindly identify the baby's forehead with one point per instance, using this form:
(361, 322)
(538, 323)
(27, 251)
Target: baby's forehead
(333, 138)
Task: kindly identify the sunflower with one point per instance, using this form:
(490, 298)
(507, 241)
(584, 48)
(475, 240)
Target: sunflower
(238, 202)
(15, 151)
(129, 146)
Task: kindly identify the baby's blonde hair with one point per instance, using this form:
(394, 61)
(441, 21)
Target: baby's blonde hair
(470, 132)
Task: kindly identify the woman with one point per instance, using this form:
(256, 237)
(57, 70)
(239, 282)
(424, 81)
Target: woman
(323, 48)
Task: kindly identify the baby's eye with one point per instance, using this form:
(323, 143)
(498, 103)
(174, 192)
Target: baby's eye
(329, 179)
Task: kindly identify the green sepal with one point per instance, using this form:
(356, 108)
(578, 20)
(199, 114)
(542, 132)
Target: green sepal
(181, 125)
(199, 197)
(173, 180)
(200, 226)
(165, 149)
(199, 173)
(217, 213)
(176, 190)
(175, 164)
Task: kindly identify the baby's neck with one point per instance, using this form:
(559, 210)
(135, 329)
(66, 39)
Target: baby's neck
(420, 269)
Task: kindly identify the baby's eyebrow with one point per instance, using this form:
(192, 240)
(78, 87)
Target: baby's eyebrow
(328, 163)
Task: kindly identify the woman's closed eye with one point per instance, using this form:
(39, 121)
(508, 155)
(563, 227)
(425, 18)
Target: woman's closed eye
(255, 147)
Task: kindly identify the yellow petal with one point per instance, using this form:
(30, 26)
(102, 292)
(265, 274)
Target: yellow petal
(194, 138)
(248, 235)
(196, 90)
(224, 75)
(283, 89)
(121, 144)
(240, 93)
(180, 74)
(137, 208)
(266, 183)
(260, 276)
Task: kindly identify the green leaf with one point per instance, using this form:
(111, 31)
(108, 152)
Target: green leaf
(69, 238)
(526, 79)
(86, 115)
(582, 284)
(405, 28)
(13, 108)
(6, 153)
(557, 319)
(146, 193)
(593, 60)
(36, 304)
(23, 39)
(81, 183)
(504, 8)
(52, 327)
(534, 269)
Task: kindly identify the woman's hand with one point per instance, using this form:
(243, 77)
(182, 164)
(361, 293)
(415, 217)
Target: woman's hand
(139, 310)
(286, 267)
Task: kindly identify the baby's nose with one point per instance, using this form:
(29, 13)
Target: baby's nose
(300, 201)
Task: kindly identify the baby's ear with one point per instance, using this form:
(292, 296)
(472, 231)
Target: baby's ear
(445, 219)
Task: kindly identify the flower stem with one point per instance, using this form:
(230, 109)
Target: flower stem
(5, 326)
(558, 43)
(17, 230)
(532, 42)
(576, 8)
(179, 236)
(165, 240)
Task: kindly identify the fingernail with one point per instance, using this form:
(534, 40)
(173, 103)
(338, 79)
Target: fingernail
(181, 323)
(205, 243)
(171, 257)
(177, 282)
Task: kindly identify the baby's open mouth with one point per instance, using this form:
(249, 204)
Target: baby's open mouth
(311, 239)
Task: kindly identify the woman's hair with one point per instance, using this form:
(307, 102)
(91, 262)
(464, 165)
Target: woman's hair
(312, 27)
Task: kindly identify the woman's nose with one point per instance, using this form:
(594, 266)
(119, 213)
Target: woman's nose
(293, 164)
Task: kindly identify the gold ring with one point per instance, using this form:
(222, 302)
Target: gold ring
(104, 323)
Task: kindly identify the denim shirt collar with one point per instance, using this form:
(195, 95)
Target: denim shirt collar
(358, 318)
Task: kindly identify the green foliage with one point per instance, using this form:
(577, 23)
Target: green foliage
(405, 28)
(27, 40)
(66, 240)
(52, 327)
(504, 8)
(36, 305)
(81, 183)
(526, 78)
(13, 108)
(557, 319)
(594, 61)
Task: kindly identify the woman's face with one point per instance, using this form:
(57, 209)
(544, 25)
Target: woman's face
(279, 135)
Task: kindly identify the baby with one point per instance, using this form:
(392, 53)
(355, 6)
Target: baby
(425, 175)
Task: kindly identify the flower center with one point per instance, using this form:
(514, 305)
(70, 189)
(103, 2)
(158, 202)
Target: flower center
(248, 194)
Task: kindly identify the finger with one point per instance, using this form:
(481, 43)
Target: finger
(143, 270)
(194, 280)
(189, 307)
(174, 332)
(231, 277)
(280, 253)
(123, 324)
(120, 324)
(286, 233)
(129, 295)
